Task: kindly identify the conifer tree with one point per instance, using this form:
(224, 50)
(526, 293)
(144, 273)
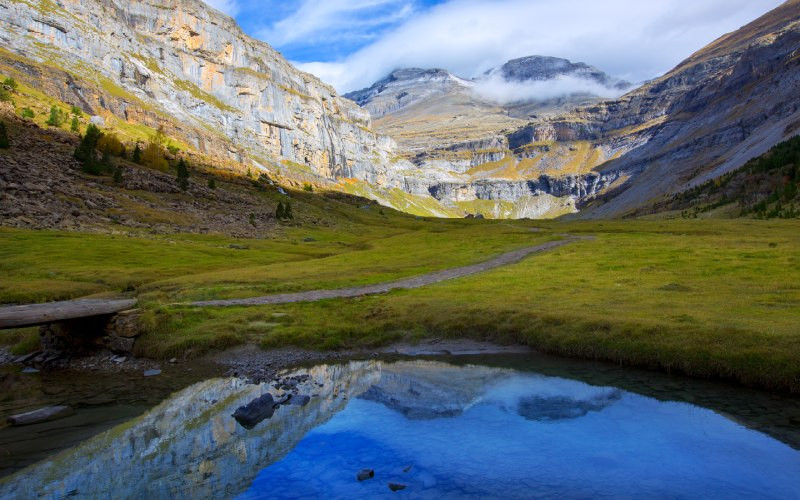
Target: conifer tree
(4, 143)
(85, 152)
(287, 211)
(212, 184)
(118, 175)
(137, 154)
(183, 175)
(75, 126)
(279, 212)
(55, 117)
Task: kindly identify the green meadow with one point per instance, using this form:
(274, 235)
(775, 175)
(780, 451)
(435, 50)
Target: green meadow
(709, 298)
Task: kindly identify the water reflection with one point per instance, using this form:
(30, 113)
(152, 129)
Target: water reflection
(440, 429)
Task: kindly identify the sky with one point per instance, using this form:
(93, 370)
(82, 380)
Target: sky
(353, 43)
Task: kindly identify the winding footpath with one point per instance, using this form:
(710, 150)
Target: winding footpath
(408, 283)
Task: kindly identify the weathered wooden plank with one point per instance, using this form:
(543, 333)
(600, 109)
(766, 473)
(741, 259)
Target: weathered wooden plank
(41, 415)
(42, 314)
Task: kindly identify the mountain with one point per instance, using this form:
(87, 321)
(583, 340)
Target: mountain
(729, 102)
(184, 66)
(440, 145)
(405, 87)
(542, 68)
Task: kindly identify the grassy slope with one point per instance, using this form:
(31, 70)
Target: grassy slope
(709, 298)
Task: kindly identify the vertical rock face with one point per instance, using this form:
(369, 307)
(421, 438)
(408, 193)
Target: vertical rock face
(223, 92)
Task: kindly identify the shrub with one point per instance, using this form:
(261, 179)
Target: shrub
(76, 111)
(212, 184)
(28, 113)
(5, 95)
(111, 144)
(183, 175)
(279, 211)
(173, 149)
(10, 82)
(118, 175)
(252, 219)
(4, 143)
(308, 187)
(55, 117)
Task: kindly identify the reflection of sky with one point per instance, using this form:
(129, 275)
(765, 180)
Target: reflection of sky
(632, 446)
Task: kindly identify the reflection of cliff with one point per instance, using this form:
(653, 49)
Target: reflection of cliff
(191, 443)
(423, 390)
(564, 407)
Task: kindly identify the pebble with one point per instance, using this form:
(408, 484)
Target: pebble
(365, 474)
(396, 486)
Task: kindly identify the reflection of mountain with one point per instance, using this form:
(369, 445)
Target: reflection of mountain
(423, 390)
(191, 443)
(563, 407)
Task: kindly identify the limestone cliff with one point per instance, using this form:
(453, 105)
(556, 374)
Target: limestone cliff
(184, 65)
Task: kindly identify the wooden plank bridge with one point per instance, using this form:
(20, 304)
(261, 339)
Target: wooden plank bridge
(56, 312)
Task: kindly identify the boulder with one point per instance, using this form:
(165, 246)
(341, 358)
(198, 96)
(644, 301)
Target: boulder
(255, 411)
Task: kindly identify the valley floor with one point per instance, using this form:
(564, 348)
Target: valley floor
(708, 298)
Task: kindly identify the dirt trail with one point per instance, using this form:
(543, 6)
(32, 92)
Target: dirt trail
(408, 283)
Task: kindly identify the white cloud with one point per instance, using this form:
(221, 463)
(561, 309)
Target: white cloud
(497, 89)
(229, 7)
(629, 39)
(326, 20)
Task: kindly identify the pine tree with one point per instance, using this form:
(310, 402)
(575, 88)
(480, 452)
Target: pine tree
(4, 144)
(279, 212)
(212, 184)
(55, 117)
(183, 175)
(75, 126)
(118, 175)
(287, 211)
(85, 152)
(105, 161)
(137, 154)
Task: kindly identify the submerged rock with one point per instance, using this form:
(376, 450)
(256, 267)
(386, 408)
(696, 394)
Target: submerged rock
(256, 411)
(152, 373)
(396, 486)
(41, 415)
(365, 474)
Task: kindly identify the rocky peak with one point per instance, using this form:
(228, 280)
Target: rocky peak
(405, 87)
(542, 68)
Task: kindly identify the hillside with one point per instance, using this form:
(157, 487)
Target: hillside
(237, 105)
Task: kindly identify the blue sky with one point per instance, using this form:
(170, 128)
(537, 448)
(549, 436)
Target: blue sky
(352, 43)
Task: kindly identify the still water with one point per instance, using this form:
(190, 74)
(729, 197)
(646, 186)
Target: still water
(506, 427)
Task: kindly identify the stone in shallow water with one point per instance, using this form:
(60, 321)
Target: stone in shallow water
(152, 373)
(365, 474)
(255, 411)
(396, 486)
(41, 415)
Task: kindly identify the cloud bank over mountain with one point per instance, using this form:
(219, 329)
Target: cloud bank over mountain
(351, 44)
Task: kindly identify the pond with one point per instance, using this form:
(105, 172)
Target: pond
(498, 427)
